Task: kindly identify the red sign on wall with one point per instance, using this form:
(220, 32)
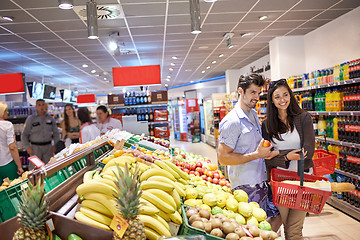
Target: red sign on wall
(192, 105)
(12, 83)
(86, 98)
(136, 76)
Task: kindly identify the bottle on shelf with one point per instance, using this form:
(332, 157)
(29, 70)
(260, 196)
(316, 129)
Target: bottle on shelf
(315, 125)
(146, 115)
(321, 125)
(335, 128)
(151, 115)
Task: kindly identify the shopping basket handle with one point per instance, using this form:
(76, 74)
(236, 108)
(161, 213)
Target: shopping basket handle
(301, 168)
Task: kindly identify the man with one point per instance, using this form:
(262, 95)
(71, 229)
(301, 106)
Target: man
(241, 145)
(105, 122)
(40, 129)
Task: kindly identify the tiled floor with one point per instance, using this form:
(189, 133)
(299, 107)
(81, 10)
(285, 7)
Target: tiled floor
(330, 224)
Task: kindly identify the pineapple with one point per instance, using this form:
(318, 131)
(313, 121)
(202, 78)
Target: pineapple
(128, 202)
(33, 213)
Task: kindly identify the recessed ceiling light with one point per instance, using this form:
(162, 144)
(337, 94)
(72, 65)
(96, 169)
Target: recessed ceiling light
(168, 76)
(110, 93)
(85, 65)
(203, 47)
(188, 70)
(263, 18)
(6, 18)
(191, 81)
(168, 79)
(93, 71)
(213, 62)
(221, 55)
(230, 46)
(66, 4)
(172, 64)
(203, 71)
(174, 57)
(113, 46)
(105, 78)
(245, 34)
(170, 69)
(166, 85)
(207, 67)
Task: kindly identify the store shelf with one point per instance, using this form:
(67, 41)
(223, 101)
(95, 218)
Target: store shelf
(162, 122)
(340, 113)
(344, 207)
(327, 85)
(261, 115)
(347, 174)
(139, 106)
(17, 117)
(340, 143)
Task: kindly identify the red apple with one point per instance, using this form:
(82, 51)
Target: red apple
(186, 170)
(199, 164)
(210, 174)
(209, 179)
(221, 176)
(199, 170)
(197, 173)
(208, 160)
(216, 175)
(192, 172)
(187, 166)
(204, 177)
(215, 180)
(183, 155)
(182, 164)
(228, 185)
(192, 167)
(205, 171)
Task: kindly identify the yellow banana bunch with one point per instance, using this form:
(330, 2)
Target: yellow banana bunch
(97, 206)
(156, 172)
(157, 185)
(95, 186)
(176, 217)
(164, 166)
(148, 210)
(96, 216)
(165, 216)
(182, 174)
(120, 161)
(178, 187)
(107, 201)
(166, 197)
(82, 218)
(176, 198)
(88, 176)
(154, 224)
(161, 204)
(151, 234)
(162, 221)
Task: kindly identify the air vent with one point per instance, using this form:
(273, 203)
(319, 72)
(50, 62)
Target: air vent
(104, 12)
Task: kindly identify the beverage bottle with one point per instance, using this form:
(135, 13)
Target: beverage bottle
(346, 71)
(346, 127)
(336, 100)
(137, 98)
(151, 115)
(149, 96)
(315, 125)
(316, 100)
(321, 126)
(335, 129)
(126, 99)
(339, 179)
(341, 72)
(342, 159)
(336, 73)
(357, 69)
(133, 102)
(311, 102)
(327, 100)
(357, 194)
(345, 194)
(357, 99)
(323, 99)
(351, 69)
(138, 115)
(345, 99)
(331, 76)
(146, 115)
(329, 127)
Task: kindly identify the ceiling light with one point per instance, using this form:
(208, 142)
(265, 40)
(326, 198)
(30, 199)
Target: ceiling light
(166, 85)
(213, 62)
(174, 57)
(210, 1)
(207, 67)
(168, 80)
(221, 55)
(85, 65)
(203, 47)
(91, 13)
(203, 71)
(245, 34)
(195, 16)
(263, 18)
(230, 46)
(171, 69)
(93, 71)
(168, 76)
(6, 18)
(113, 46)
(66, 4)
(191, 81)
(188, 70)
(105, 78)
(172, 64)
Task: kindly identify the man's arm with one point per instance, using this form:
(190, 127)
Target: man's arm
(55, 131)
(25, 137)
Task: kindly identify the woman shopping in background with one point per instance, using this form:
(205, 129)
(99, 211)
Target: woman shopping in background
(10, 165)
(71, 124)
(105, 122)
(88, 130)
(289, 128)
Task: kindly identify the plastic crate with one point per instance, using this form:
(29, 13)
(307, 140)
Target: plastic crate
(54, 180)
(324, 162)
(9, 200)
(297, 197)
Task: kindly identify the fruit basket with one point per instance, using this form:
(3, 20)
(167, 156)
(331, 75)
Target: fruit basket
(324, 162)
(297, 197)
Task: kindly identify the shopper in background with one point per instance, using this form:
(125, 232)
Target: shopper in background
(39, 132)
(88, 130)
(241, 147)
(289, 128)
(105, 122)
(71, 124)
(10, 165)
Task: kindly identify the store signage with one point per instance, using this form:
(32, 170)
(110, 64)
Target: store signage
(36, 161)
(86, 98)
(12, 83)
(260, 70)
(192, 105)
(136, 76)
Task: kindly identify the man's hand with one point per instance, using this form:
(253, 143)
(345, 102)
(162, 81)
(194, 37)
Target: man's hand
(263, 152)
(30, 151)
(52, 150)
(295, 155)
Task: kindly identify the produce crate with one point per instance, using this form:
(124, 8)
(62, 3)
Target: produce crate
(186, 229)
(9, 200)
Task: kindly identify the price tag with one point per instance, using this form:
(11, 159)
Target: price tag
(119, 225)
(119, 144)
(36, 161)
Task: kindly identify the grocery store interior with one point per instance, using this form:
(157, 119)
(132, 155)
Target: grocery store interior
(167, 72)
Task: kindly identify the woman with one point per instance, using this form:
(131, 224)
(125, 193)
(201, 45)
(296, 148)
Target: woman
(71, 124)
(10, 165)
(289, 129)
(88, 131)
(105, 122)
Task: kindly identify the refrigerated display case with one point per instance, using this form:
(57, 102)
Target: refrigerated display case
(179, 116)
(208, 119)
(202, 122)
(193, 120)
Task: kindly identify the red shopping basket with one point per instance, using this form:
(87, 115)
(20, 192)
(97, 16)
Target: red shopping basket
(297, 197)
(324, 162)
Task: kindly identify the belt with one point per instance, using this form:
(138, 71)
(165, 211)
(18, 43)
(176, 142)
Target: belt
(41, 144)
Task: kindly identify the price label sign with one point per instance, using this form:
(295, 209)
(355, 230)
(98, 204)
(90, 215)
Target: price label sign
(119, 225)
(36, 161)
(119, 144)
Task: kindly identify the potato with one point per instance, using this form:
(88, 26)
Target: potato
(217, 232)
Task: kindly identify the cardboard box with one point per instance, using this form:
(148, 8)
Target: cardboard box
(159, 96)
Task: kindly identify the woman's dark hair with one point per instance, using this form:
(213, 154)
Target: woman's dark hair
(66, 117)
(84, 115)
(245, 82)
(274, 125)
(103, 108)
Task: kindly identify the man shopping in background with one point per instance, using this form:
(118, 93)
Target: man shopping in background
(40, 129)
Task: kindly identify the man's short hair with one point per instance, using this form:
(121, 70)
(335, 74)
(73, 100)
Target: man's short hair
(245, 82)
(39, 100)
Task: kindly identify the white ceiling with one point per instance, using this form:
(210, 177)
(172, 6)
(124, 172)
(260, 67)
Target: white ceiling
(48, 43)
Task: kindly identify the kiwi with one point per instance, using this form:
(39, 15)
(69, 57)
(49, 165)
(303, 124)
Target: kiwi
(228, 227)
(207, 227)
(191, 212)
(198, 208)
(266, 235)
(219, 215)
(216, 223)
(204, 213)
(217, 232)
(232, 236)
(246, 238)
(235, 224)
(198, 224)
(240, 231)
(193, 218)
(225, 219)
(254, 230)
(258, 238)
(204, 220)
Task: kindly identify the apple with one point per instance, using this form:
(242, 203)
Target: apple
(266, 143)
(204, 177)
(216, 175)
(186, 170)
(210, 174)
(192, 167)
(197, 173)
(183, 155)
(228, 185)
(178, 163)
(209, 179)
(182, 168)
(215, 180)
(182, 164)
(199, 170)
(205, 171)
(222, 182)
(208, 160)
(192, 172)
(187, 166)
(199, 164)
(221, 176)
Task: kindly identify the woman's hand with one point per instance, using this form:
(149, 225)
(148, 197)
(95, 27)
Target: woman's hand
(295, 155)
(20, 171)
(273, 154)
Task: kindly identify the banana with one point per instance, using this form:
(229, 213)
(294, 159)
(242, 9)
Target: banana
(105, 181)
(96, 175)
(176, 218)
(166, 197)
(182, 174)
(94, 186)
(179, 211)
(112, 170)
(97, 206)
(161, 179)
(182, 186)
(165, 216)
(155, 225)
(120, 161)
(176, 198)
(162, 221)
(162, 205)
(151, 234)
(164, 166)
(109, 177)
(143, 167)
(96, 216)
(179, 188)
(157, 185)
(182, 181)
(155, 166)
(156, 172)
(88, 176)
(148, 210)
(82, 218)
(103, 199)
(147, 203)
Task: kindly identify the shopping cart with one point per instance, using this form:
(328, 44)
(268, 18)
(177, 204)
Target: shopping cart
(298, 197)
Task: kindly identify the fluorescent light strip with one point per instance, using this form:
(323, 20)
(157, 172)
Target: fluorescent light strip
(164, 38)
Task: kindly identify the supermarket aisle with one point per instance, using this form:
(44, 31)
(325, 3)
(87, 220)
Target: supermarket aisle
(331, 224)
